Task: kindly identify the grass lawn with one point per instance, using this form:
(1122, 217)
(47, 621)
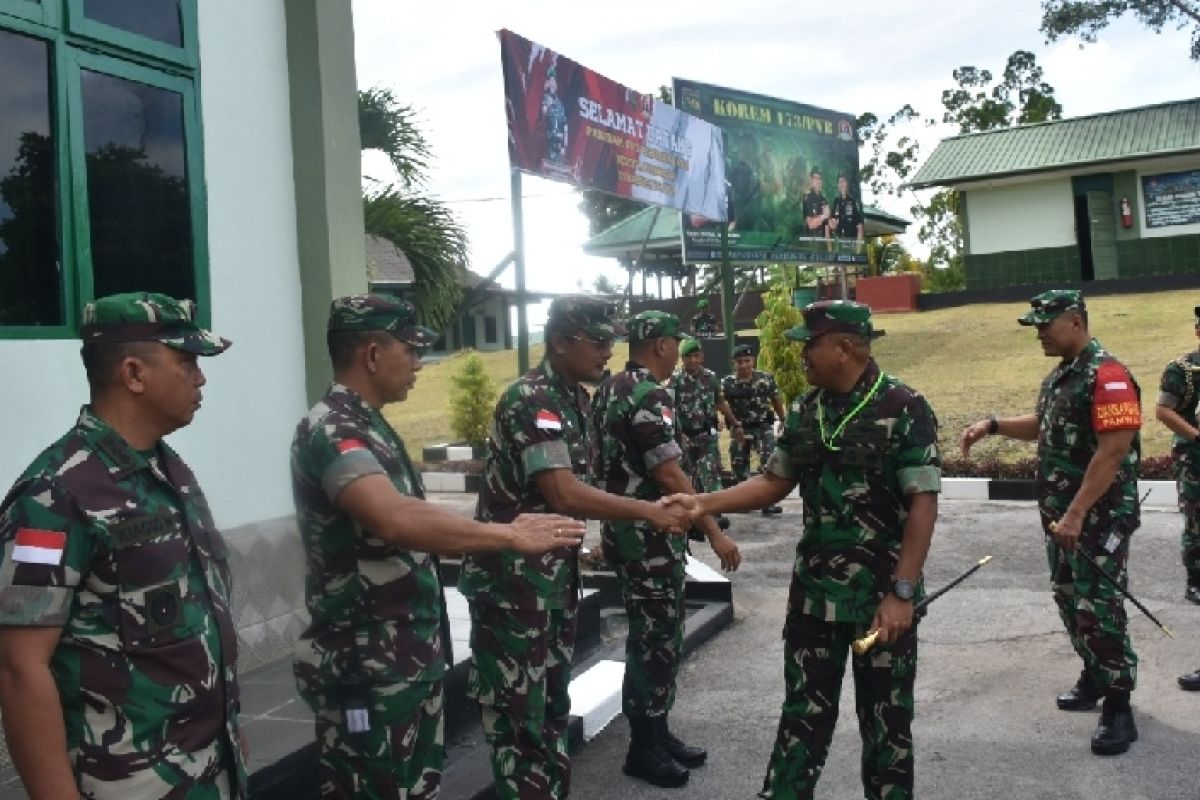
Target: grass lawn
(969, 362)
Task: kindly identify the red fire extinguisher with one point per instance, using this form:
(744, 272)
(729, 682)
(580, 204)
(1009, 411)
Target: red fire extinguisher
(1126, 213)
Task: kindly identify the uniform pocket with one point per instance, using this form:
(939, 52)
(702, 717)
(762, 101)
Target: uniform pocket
(153, 561)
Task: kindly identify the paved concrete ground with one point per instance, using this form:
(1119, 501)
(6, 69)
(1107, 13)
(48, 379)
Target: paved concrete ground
(993, 656)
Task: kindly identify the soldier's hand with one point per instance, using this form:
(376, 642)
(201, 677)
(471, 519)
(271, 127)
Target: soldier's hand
(972, 434)
(674, 518)
(893, 617)
(537, 533)
(726, 550)
(688, 502)
(1067, 531)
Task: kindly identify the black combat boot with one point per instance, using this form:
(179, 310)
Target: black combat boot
(1190, 682)
(686, 754)
(1192, 592)
(1083, 696)
(649, 760)
(1116, 730)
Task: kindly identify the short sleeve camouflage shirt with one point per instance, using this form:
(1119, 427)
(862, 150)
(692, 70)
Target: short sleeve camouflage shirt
(635, 433)
(750, 400)
(1179, 391)
(376, 608)
(119, 549)
(856, 493)
(1067, 438)
(696, 399)
(540, 423)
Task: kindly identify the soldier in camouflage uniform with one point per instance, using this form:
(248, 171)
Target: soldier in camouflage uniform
(703, 321)
(114, 587)
(754, 397)
(1179, 393)
(639, 457)
(863, 448)
(523, 609)
(371, 662)
(1086, 426)
(698, 398)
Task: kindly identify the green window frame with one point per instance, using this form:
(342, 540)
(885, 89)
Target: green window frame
(78, 44)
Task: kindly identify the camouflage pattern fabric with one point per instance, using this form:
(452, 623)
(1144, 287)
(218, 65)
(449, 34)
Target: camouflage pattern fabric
(855, 490)
(653, 599)
(376, 609)
(751, 399)
(704, 324)
(118, 548)
(523, 608)
(1179, 390)
(635, 430)
(1070, 408)
(148, 317)
(634, 420)
(696, 401)
(815, 661)
(387, 762)
(520, 676)
(760, 440)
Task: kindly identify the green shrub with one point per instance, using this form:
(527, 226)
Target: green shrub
(471, 401)
(776, 353)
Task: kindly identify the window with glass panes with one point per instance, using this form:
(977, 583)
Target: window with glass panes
(101, 179)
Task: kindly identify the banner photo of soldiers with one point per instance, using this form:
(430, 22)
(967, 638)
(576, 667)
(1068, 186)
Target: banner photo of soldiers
(570, 124)
(793, 180)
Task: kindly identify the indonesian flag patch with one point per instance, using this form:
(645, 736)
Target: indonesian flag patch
(346, 445)
(668, 420)
(34, 546)
(548, 421)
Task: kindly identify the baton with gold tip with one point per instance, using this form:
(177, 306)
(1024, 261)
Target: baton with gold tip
(1089, 558)
(861, 646)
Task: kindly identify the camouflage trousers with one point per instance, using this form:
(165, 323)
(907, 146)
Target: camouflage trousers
(520, 674)
(703, 459)
(398, 759)
(1092, 610)
(814, 663)
(1188, 484)
(653, 599)
(762, 440)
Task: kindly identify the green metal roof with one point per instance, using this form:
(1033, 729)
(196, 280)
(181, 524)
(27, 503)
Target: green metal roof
(1132, 133)
(628, 234)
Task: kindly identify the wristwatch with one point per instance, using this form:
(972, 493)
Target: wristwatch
(993, 425)
(904, 589)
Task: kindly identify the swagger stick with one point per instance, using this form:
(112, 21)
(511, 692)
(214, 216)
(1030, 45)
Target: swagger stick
(1089, 558)
(861, 646)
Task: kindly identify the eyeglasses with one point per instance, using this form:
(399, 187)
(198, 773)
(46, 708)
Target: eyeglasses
(599, 344)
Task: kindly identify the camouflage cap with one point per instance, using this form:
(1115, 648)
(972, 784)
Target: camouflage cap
(654, 325)
(1048, 305)
(689, 346)
(743, 350)
(148, 317)
(702, 304)
(591, 315)
(379, 312)
(833, 316)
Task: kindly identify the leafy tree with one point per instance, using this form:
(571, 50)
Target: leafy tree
(604, 285)
(471, 401)
(1086, 18)
(778, 354)
(425, 230)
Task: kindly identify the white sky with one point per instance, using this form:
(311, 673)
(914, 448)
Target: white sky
(443, 58)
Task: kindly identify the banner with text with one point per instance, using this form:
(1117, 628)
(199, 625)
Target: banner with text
(793, 180)
(1172, 198)
(570, 124)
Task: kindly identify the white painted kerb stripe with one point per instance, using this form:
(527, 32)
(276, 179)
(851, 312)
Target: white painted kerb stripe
(596, 696)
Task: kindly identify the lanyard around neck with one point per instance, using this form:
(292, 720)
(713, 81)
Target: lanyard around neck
(830, 441)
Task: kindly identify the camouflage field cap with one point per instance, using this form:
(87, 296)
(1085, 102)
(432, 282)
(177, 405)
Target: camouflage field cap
(148, 317)
(593, 316)
(688, 347)
(1048, 305)
(833, 316)
(654, 325)
(743, 350)
(702, 304)
(378, 312)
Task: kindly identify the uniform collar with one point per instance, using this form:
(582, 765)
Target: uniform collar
(863, 385)
(1084, 357)
(556, 378)
(342, 395)
(121, 458)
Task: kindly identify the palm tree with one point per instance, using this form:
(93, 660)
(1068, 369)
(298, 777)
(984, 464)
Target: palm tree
(424, 229)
